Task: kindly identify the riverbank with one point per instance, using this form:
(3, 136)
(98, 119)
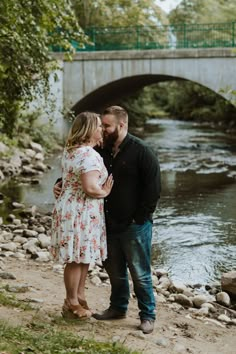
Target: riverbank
(40, 285)
(190, 319)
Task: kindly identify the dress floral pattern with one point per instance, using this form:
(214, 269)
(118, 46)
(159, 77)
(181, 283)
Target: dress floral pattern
(78, 226)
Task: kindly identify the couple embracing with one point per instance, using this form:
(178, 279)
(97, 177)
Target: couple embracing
(109, 190)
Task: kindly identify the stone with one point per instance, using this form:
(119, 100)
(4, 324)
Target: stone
(183, 300)
(36, 147)
(198, 300)
(223, 298)
(177, 287)
(10, 246)
(95, 280)
(17, 288)
(223, 318)
(228, 282)
(44, 241)
(7, 275)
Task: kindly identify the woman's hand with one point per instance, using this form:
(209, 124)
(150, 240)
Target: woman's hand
(57, 189)
(107, 186)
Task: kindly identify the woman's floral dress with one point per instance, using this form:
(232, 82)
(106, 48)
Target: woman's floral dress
(78, 226)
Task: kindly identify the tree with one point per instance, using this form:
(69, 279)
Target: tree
(29, 29)
(118, 13)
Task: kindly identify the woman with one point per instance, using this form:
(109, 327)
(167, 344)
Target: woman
(78, 228)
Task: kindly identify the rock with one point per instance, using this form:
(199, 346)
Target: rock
(95, 280)
(103, 276)
(203, 311)
(36, 147)
(18, 232)
(11, 217)
(177, 287)
(44, 240)
(18, 205)
(17, 222)
(183, 300)
(19, 255)
(27, 213)
(198, 300)
(223, 299)
(2, 177)
(160, 298)
(155, 280)
(41, 256)
(223, 318)
(7, 275)
(30, 153)
(10, 246)
(29, 171)
(160, 272)
(188, 292)
(228, 282)
(211, 320)
(30, 233)
(162, 342)
(164, 283)
(8, 236)
(3, 148)
(31, 246)
(18, 288)
(209, 306)
(19, 239)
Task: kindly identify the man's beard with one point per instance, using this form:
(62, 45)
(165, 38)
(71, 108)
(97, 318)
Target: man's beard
(110, 139)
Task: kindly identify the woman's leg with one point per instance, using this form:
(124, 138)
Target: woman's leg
(72, 275)
(81, 286)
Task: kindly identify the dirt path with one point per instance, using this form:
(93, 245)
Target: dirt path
(175, 330)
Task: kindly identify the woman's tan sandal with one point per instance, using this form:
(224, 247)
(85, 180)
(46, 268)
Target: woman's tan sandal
(84, 304)
(74, 311)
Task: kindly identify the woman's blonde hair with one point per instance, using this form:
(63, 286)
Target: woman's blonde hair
(82, 129)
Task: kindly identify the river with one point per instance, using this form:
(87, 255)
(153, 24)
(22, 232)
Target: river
(194, 233)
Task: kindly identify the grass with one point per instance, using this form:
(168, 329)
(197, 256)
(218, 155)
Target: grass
(49, 339)
(50, 335)
(11, 301)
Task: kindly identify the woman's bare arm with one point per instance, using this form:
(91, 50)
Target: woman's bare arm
(91, 187)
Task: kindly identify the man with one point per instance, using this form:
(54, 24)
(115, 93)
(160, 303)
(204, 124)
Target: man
(128, 211)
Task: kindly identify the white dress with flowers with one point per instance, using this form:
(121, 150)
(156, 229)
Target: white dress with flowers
(78, 226)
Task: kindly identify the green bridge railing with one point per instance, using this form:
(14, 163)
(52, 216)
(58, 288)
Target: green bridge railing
(208, 35)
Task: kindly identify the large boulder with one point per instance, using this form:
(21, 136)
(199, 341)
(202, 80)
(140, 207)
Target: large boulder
(228, 282)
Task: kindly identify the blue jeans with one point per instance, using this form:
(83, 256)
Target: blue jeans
(131, 248)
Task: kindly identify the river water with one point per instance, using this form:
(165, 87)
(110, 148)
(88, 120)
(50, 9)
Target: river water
(194, 233)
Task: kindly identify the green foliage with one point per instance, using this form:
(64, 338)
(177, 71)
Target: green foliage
(46, 338)
(123, 18)
(29, 28)
(11, 301)
(190, 101)
(203, 11)
(118, 13)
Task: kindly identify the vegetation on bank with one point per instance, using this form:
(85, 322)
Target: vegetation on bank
(29, 28)
(28, 128)
(40, 337)
(50, 336)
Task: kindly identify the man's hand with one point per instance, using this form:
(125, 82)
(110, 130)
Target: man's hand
(57, 189)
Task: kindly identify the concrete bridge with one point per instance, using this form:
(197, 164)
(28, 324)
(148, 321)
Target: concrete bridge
(95, 79)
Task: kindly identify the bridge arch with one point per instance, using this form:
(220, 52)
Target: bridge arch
(94, 79)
